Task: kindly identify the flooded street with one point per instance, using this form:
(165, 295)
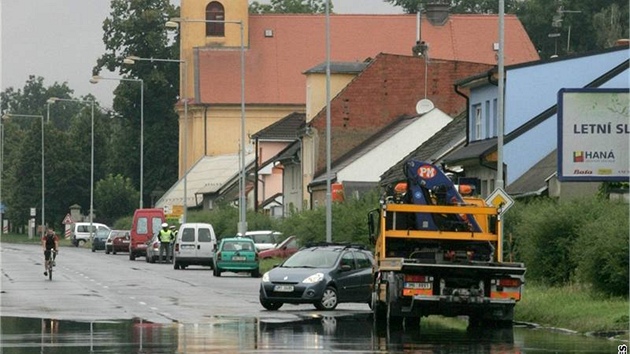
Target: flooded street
(99, 303)
(348, 334)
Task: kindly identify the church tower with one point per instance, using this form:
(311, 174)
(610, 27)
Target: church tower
(197, 34)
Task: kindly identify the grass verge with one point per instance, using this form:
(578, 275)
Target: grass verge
(575, 307)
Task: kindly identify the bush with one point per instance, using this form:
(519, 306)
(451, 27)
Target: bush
(349, 221)
(601, 252)
(583, 238)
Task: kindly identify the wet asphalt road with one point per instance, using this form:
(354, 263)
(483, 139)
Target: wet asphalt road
(95, 286)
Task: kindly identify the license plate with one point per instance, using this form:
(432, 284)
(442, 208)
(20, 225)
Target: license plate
(125, 242)
(187, 247)
(238, 258)
(283, 288)
(418, 285)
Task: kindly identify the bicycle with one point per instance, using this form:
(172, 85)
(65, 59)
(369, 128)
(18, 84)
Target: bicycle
(50, 263)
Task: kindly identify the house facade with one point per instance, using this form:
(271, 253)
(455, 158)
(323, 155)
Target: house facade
(250, 71)
(530, 118)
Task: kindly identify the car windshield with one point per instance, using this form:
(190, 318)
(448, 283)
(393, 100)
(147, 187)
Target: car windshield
(312, 258)
(237, 246)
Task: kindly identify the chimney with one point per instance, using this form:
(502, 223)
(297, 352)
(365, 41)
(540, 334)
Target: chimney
(437, 12)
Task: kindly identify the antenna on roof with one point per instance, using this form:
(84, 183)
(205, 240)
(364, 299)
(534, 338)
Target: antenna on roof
(424, 105)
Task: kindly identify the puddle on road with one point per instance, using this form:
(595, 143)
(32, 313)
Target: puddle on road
(313, 333)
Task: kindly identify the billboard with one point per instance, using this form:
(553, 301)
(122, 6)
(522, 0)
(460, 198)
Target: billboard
(593, 135)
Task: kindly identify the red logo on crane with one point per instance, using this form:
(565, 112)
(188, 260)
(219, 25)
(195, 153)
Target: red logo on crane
(427, 171)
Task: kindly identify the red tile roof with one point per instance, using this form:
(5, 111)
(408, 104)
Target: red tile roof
(275, 65)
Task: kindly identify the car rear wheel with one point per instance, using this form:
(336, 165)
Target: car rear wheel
(106, 250)
(256, 273)
(132, 256)
(328, 301)
(216, 272)
(176, 265)
(270, 305)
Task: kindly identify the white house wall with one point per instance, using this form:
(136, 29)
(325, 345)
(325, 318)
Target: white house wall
(370, 166)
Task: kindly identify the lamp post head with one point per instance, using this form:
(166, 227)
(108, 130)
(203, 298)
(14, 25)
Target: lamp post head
(52, 100)
(129, 61)
(95, 79)
(172, 24)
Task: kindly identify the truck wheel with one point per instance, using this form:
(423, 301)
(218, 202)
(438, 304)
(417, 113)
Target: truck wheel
(412, 322)
(175, 265)
(328, 301)
(132, 256)
(499, 318)
(106, 250)
(216, 272)
(256, 273)
(114, 251)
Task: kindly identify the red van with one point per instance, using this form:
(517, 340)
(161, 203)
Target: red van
(146, 222)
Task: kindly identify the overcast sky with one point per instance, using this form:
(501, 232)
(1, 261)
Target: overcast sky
(60, 41)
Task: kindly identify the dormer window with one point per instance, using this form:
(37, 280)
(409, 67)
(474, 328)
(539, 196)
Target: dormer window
(215, 12)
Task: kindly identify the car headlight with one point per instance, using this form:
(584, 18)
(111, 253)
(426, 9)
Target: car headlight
(315, 278)
(265, 278)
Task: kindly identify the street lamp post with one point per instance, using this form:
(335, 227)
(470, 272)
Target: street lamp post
(95, 79)
(131, 60)
(56, 99)
(174, 23)
(10, 115)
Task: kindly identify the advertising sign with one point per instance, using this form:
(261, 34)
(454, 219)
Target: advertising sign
(593, 135)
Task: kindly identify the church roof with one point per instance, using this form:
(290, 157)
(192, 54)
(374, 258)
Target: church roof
(283, 47)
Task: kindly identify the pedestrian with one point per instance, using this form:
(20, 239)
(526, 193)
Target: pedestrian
(173, 238)
(165, 237)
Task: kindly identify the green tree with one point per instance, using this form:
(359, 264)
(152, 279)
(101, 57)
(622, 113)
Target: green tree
(290, 6)
(138, 28)
(115, 197)
(459, 6)
(582, 25)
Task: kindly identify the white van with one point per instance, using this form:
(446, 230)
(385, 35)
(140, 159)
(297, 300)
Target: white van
(194, 245)
(80, 233)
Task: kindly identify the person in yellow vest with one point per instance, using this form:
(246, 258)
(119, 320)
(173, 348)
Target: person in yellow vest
(173, 238)
(165, 236)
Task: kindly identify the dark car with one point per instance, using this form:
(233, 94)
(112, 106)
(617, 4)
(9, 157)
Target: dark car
(324, 275)
(117, 241)
(283, 249)
(98, 240)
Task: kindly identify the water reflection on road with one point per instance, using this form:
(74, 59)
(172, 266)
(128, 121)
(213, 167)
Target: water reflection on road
(314, 333)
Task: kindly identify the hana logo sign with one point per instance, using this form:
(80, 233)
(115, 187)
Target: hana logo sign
(602, 156)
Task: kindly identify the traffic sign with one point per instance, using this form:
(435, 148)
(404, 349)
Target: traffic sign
(67, 220)
(500, 199)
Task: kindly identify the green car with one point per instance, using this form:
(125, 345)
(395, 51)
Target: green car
(238, 255)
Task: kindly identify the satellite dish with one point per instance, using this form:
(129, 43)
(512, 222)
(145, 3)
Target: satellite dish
(424, 106)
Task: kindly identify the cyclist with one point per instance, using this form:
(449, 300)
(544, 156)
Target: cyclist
(50, 241)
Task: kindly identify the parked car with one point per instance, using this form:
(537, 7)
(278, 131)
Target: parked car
(80, 232)
(283, 249)
(324, 275)
(153, 250)
(117, 241)
(265, 239)
(236, 254)
(146, 223)
(194, 245)
(98, 240)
